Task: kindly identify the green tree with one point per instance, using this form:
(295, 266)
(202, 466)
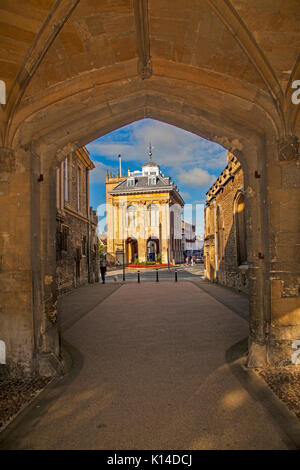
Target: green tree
(101, 249)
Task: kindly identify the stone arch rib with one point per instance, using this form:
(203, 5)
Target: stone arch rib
(239, 30)
(54, 22)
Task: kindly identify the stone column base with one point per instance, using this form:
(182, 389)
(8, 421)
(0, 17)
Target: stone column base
(277, 353)
(49, 365)
(257, 354)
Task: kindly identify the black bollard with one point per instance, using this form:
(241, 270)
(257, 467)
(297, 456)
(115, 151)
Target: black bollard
(139, 280)
(157, 275)
(175, 275)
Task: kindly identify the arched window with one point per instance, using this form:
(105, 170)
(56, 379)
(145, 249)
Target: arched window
(152, 211)
(241, 229)
(131, 220)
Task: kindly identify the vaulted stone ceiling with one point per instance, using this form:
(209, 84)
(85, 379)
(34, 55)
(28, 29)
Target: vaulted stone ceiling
(54, 48)
(20, 23)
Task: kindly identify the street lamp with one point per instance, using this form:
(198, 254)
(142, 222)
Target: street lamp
(123, 259)
(121, 245)
(121, 251)
(123, 219)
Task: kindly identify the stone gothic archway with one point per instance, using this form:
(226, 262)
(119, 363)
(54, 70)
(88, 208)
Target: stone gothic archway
(68, 92)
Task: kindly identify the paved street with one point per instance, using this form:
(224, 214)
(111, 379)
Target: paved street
(149, 274)
(152, 366)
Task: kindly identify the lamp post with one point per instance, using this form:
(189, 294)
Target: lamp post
(123, 241)
(168, 233)
(121, 251)
(123, 259)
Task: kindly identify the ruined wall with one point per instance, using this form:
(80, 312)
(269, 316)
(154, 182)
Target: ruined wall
(75, 231)
(221, 247)
(77, 253)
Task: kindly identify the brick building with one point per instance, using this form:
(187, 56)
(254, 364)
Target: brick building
(225, 249)
(77, 253)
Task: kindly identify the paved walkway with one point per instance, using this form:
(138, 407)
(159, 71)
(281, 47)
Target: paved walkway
(151, 370)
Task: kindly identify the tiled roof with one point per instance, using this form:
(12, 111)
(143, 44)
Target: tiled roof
(142, 185)
(141, 182)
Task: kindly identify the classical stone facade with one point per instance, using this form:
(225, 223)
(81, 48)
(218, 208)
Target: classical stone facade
(76, 70)
(225, 243)
(144, 211)
(77, 251)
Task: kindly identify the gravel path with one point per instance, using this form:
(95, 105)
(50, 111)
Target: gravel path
(285, 383)
(15, 393)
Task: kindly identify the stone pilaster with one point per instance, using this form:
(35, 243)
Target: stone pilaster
(257, 229)
(44, 270)
(27, 270)
(284, 242)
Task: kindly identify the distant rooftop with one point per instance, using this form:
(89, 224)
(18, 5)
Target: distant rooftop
(149, 179)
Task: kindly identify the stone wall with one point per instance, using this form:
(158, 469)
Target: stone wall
(77, 253)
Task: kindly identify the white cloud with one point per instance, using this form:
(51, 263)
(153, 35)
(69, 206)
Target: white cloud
(112, 150)
(172, 147)
(185, 195)
(98, 174)
(196, 177)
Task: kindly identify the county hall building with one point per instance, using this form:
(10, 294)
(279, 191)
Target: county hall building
(144, 216)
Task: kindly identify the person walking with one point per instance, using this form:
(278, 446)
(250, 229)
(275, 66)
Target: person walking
(103, 269)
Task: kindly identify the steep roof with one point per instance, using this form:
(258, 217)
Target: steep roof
(141, 182)
(142, 185)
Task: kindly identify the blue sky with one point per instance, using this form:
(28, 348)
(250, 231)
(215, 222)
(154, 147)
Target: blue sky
(192, 162)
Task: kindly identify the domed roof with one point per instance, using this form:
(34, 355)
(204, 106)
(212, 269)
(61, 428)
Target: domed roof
(150, 162)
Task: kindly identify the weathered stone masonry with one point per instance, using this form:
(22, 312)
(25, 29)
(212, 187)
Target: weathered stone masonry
(77, 252)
